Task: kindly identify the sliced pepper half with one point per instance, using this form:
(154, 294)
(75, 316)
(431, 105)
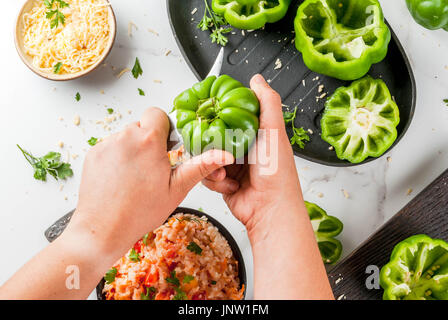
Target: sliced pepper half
(418, 270)
(341, 38)
(431, 14)
(251, 14)
(326, 228)
(360, 120)
(218, 113)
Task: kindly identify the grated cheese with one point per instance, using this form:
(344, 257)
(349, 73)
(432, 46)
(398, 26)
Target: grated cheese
(77, 45)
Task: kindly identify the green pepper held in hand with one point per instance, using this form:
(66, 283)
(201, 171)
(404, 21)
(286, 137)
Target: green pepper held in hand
(218, 113)
(251, 14)
(431, 14)
(418, 270)
(341, 38)
(360, 121)
(326, 228)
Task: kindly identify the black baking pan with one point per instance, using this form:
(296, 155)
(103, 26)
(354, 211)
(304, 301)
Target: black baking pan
(248, 53)
(59, 226)
(426, 214)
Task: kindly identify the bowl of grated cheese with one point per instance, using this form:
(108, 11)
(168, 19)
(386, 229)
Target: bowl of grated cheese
(65, 39)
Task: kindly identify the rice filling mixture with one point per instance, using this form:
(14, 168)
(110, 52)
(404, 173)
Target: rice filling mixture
(185, 259)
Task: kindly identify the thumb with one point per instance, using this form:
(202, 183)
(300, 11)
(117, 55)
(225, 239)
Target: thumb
(271, 116)
(190, 173)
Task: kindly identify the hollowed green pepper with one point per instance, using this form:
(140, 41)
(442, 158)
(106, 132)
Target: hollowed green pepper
(418, 270)
(431, 14)
(326, 228)
(360, 121)
(251, 14)
(218, 113)
(341, 38)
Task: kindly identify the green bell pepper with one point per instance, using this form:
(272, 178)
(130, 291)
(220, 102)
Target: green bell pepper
(418, 270)
(360, 121)
(341, 38)
(431, 14)
(251, 14)
(218, 113)
(326, 228)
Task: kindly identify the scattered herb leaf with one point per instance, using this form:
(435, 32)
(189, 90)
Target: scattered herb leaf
(300, 136)
(213, 282)
(446, 101)
(172, 279)
(137, 69)
(57, 67)
(145, 239)
(188, 278)
(54, 13)
(77, 96)
(180, 295)
(193, 247)
(216, 24)
(92, 141)
(49, 164)
(110, 275)
(134, 256)
(150, 294)
(141, 92)
(110, 110)
(198, 221)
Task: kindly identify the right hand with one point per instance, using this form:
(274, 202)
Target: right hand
(249, 194)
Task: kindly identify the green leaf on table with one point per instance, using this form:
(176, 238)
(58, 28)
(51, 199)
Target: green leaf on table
(137, 69)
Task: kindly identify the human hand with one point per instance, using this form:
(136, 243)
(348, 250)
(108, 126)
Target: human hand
(128, 187)
(249, 193)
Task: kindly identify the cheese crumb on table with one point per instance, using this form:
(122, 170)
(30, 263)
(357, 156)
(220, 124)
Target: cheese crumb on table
(76, 120)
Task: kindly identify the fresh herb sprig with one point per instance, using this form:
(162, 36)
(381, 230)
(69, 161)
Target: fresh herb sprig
(110, 275)
(134, 255)
(49, 164)
(173, 280)
(92, 141)
(446, 101)
(54, 12)
(149, 295)
(300, 136)
(195, 248)
(137, 69)
(216, 24)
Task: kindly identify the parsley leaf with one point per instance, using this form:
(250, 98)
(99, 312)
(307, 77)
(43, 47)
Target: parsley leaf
(188, 278)
(110, 275)
(137, 69)
(78, 96)
(57, 67)
(213, 282)
(150, 294)
(110, 110)
(49, 164)
(141, 92)
(145, 239)
(216, 24)
(300, 136)
(172, 279)
(54, 13)
(180, 295)
(446, 101)
(134, 256)
(193, 247)
(92, 141)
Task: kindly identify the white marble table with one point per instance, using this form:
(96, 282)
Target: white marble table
(32, 109)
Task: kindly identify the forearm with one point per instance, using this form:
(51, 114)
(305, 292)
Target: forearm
(69, 268)
(287, 261)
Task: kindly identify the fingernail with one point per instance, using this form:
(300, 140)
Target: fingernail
(258, 78)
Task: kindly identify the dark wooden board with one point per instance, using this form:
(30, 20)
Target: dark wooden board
(254, 52)
(426, 214)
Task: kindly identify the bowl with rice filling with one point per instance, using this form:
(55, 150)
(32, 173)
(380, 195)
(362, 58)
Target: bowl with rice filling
(190, 257)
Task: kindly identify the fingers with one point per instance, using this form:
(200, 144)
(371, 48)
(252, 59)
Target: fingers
(226, 186)
(155, 119)
(190, 173)
(271, 116)
(217, 175)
